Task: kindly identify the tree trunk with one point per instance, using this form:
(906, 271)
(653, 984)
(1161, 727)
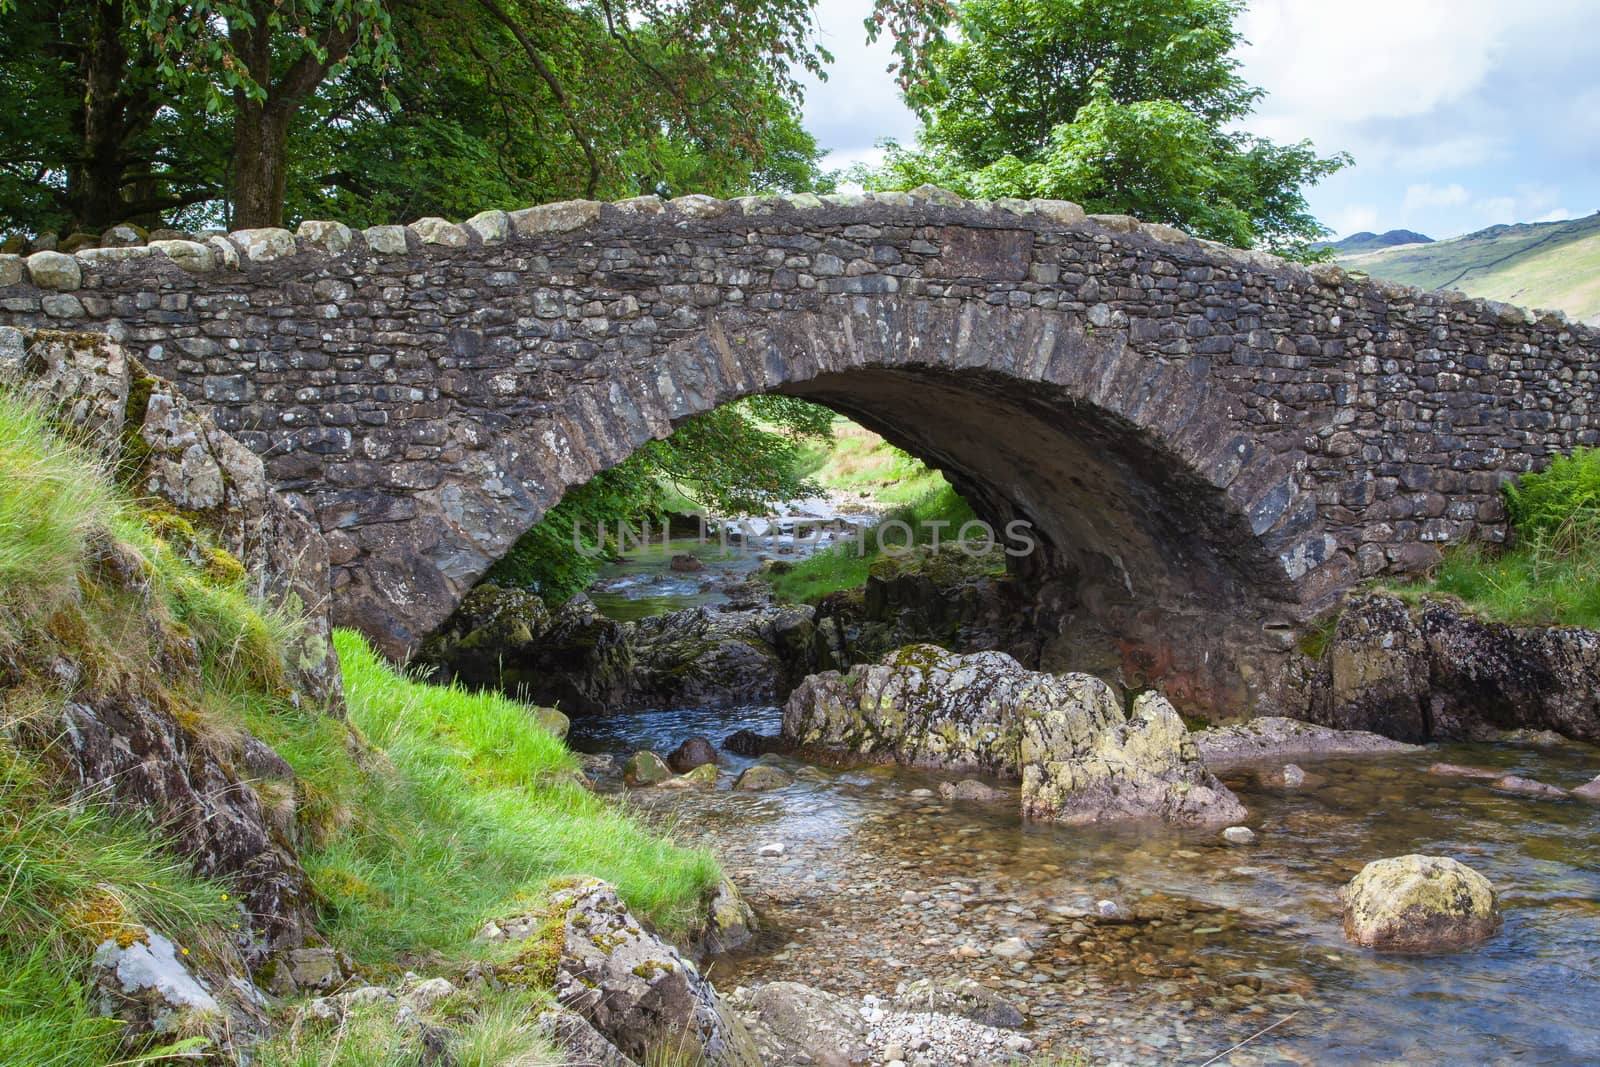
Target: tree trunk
(260, 163)
(94, 184)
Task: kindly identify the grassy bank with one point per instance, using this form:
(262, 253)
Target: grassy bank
(859, 461)
(1551, 573)
(856, 460)
(430, 811)
(847, 564)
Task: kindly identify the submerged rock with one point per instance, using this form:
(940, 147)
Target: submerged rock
(1273, 737)
(970, 789)
(1419, 904)
(703, 775)
(1511, 783)
(1457, 770)
(1589, 791)
(763, 776)
(960, 996)
(1080, 757)
(1238, 835)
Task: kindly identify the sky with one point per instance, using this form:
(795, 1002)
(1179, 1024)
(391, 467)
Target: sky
(1460, 114)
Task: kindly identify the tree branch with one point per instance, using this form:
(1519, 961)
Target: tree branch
(548, 76)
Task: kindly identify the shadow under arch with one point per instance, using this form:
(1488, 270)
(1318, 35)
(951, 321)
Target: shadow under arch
(1169, 534)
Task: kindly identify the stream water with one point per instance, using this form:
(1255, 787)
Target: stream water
(882, 881)
(642, 582)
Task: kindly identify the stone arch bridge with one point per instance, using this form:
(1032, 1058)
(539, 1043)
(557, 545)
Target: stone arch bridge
(1211, 444)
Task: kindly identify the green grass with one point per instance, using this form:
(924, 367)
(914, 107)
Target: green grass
(847, 565)
(426, 813)
(466, 812)
(856, 460)
(1551, 575)
(72, 876)
(53, 497)
(493, 1032)
(1554, 265)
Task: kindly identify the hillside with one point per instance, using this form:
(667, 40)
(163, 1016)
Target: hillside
(1547, 264)
(1366, 241)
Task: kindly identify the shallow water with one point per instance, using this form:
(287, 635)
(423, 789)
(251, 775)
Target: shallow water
(642, 583)
(1226, 940)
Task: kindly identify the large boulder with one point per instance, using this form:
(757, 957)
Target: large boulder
(1419, 904)
(636, 989)
(1080, 757)
(1433, 671)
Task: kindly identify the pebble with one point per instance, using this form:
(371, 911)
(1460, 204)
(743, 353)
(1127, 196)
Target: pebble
(1012, 948)
(1238, 835)
(773, 850)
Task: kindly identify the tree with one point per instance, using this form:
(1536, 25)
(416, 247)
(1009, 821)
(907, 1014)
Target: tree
(92, 135)
(345, 102)
(740, 458)
(1122, 105)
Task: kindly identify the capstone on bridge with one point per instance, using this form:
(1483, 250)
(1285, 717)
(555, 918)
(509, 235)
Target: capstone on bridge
(1211, 445)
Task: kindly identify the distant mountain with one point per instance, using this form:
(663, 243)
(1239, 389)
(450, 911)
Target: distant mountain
(1540, 264)
(1371, 242)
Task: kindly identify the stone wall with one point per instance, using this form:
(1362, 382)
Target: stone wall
(1211, 444)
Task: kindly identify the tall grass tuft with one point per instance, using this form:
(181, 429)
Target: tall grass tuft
(1551, 574)
(53, 497)
(72, 876)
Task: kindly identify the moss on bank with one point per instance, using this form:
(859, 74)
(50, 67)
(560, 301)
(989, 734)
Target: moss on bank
(848, 564)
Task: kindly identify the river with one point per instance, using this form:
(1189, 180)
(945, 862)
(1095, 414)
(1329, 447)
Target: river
(882, 881)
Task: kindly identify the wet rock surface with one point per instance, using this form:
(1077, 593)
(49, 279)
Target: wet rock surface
(576, 658)
(1080, 758)
(1149, 944)
(1436, 672)
(1271, 738)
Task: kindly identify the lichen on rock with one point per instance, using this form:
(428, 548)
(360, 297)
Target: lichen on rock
(1080, 757)
(1419, 904)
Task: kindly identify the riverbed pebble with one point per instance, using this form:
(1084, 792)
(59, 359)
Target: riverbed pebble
(773, 850)
(1238, 835)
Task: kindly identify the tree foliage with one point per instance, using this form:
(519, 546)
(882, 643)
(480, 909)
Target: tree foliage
(1122, 105)
(257, 112)
(741, 458)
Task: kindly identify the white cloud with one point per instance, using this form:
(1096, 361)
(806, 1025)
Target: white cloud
(1331, 65)
(1354, 218)
(860, 102)
(1423, 197)
(1559, 214)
